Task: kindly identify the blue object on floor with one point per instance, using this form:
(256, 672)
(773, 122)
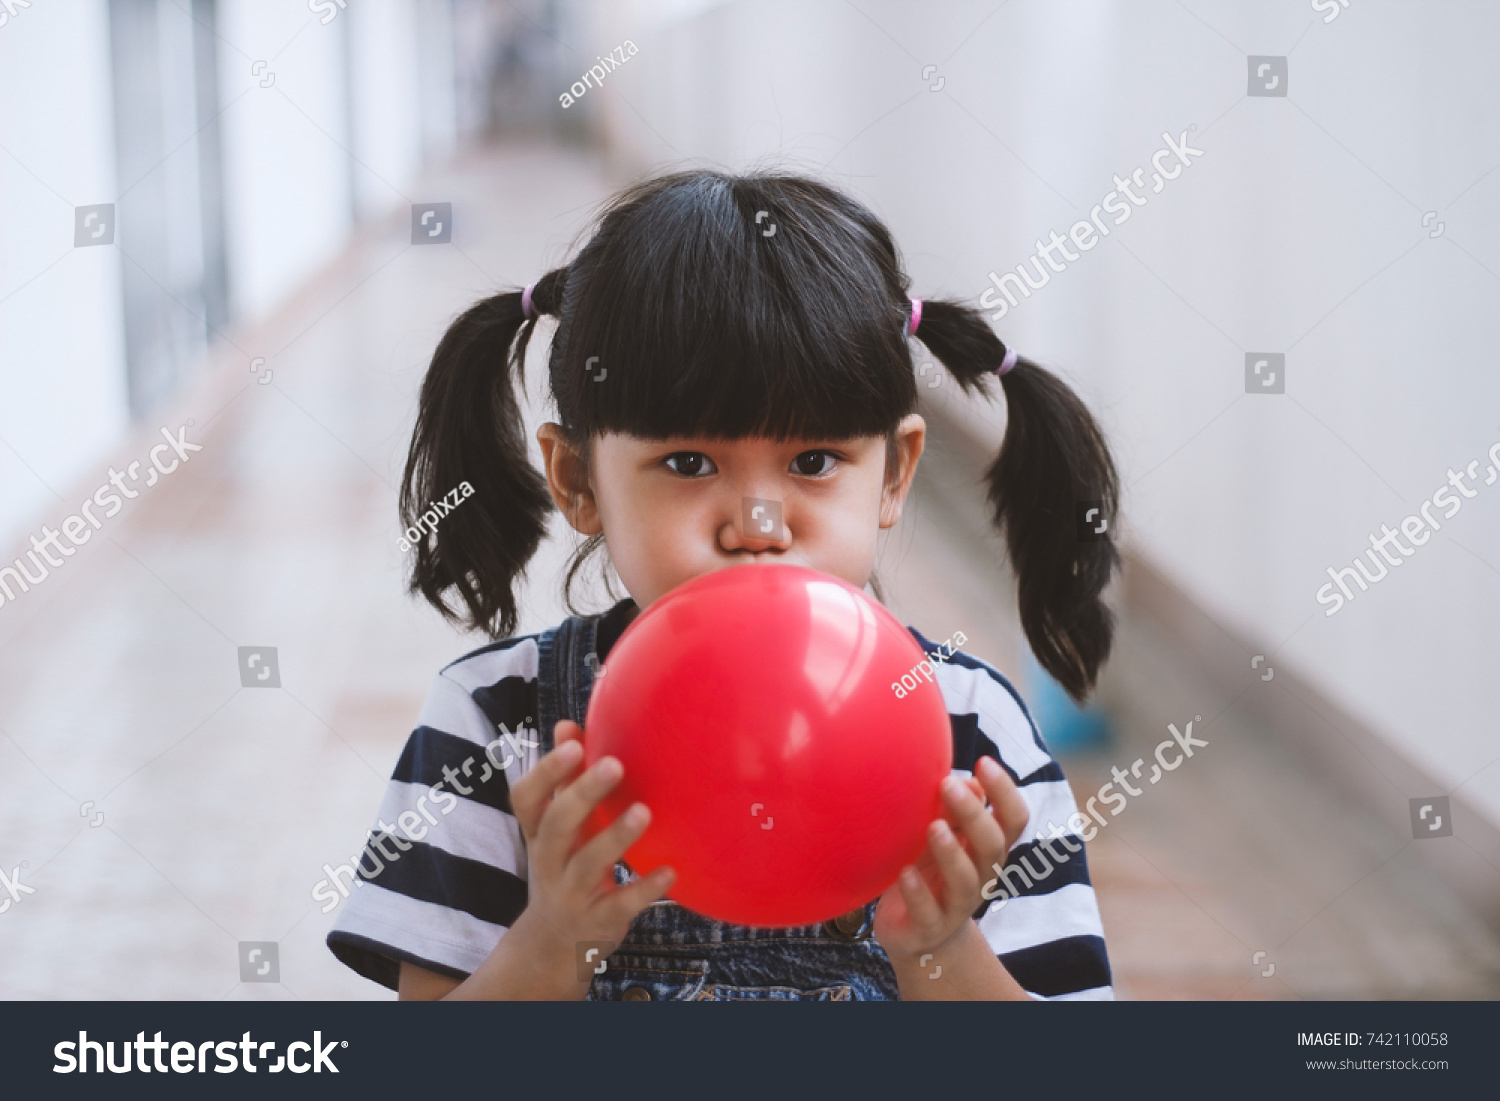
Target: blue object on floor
(1065, 727)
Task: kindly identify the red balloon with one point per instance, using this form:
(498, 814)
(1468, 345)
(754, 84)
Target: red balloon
(755, 712)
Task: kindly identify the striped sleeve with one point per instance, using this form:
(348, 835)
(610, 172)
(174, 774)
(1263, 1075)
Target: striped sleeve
(443, 873)
(1043, 919)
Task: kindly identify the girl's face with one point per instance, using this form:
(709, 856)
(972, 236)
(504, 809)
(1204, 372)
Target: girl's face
(671, 510)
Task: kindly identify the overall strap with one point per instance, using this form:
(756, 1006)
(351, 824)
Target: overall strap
(564, 677)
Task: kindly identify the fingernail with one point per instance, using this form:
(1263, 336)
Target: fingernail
(940, 831)
(909, 876)
(952, 786)
(609, 768)
(637, 815)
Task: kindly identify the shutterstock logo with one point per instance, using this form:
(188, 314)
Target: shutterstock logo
(431, 223)
(10, 7)
(1265, 372)
(12, 887)
(188, 1058)
(410, 821)
(1092, 521)
(1168, 164)
(1388, 553)
(1268, 76)
(49, 550)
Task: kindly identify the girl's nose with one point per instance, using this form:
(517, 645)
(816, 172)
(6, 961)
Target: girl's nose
(759, 526)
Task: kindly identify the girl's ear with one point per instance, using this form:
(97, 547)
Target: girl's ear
(911, 438)
(568, 480)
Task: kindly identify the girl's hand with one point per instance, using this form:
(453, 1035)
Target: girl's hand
(572, 896)
(931, 904)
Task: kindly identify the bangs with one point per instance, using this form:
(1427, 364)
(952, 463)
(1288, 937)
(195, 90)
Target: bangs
(692, 313)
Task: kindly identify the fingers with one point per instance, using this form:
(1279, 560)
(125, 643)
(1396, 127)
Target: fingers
(926, 914)
(565, 815)
(530, 795)
(631, 899)
(1009, 807)
(566, 730)
(932, 920)
(960, 877)
(932, 917)
(972, 783)
(590, 863)
(975, 823)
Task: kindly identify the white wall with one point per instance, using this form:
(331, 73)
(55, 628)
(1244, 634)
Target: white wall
(387, 116)
(286, 170)
(62, 360)
(358, 105)
(1299, 230)
(354, 107)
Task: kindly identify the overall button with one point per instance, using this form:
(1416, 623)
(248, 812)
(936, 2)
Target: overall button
(636, 994)
(846, 926)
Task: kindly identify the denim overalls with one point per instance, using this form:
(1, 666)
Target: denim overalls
(672, 953)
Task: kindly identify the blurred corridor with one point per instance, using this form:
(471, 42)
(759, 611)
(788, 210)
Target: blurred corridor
(168, 800)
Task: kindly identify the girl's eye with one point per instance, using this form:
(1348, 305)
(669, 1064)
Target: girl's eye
(812, 463)
(693, 464)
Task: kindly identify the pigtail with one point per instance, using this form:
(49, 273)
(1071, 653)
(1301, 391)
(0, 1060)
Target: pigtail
(469, 437)
(1053, 466)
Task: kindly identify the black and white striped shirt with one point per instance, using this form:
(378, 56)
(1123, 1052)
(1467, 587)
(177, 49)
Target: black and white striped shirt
(444, 872)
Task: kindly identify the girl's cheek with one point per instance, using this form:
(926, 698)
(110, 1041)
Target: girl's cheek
(659, 558)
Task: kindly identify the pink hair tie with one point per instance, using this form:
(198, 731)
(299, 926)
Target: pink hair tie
(526, 307)
(916, 317)
(1008, 362)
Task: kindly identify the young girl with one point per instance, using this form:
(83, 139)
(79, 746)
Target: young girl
(702, 359)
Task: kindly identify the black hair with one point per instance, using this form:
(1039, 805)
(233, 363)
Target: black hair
(726, 306)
